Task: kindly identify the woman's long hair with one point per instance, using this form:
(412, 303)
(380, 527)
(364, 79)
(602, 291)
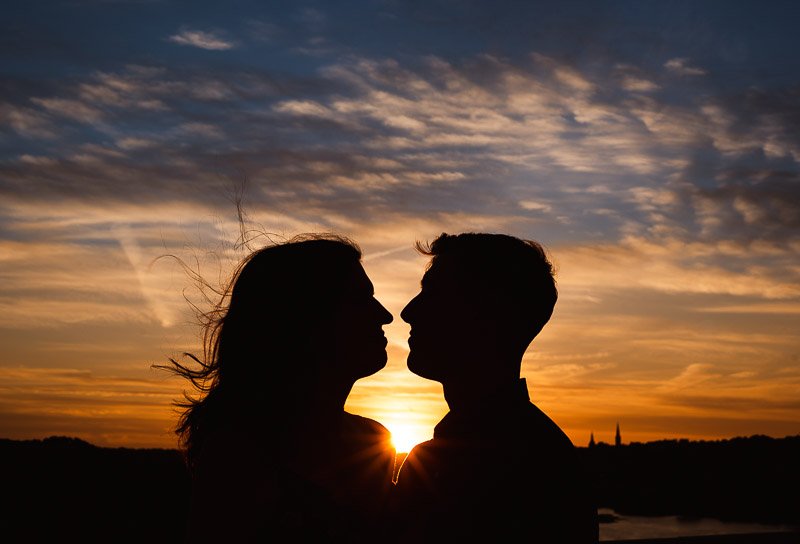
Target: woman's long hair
(258, 341)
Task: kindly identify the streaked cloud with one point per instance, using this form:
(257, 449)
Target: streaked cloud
(759, 308)
(682, 67)
(104, 409)
(210, 40)
(631, 83)
(71, 109)
(28, 122)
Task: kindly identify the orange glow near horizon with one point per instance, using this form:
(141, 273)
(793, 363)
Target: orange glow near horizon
(405, 436)
(664, 361)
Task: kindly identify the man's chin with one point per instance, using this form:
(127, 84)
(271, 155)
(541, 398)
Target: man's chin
(374, 366)
(421, 368)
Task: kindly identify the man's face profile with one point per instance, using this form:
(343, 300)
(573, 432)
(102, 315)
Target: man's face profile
(444, 324)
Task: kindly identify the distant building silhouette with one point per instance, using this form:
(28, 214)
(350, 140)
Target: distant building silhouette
(618, 437)
(591, 440)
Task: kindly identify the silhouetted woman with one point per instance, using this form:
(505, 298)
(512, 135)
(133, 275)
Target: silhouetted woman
(273, 454)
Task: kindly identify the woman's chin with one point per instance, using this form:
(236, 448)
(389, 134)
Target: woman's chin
(375, 365)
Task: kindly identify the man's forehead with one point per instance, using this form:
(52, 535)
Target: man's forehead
(443, 272)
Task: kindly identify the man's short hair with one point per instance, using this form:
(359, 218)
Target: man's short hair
(510, 276)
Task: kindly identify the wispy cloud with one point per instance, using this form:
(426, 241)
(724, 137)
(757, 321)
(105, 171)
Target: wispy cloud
(682, 67)
(71, 109)
(101, 408)
(210, 40)
(631, 83)
(28, 122)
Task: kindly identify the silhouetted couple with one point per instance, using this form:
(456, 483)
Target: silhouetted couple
(274, 456)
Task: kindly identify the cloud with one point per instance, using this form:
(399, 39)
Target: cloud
(210, 40)
(37, 160)
(133, 143)
(756, 308)
(119, 91)
(85, 267)
(28, 122)
(205, 130)
(71, 109)
(681, 67)
(675, 265)
(536, 141)
(101, 408)
(534, 146)
(535, 206)
(44, 286)
(634, 84)
(741, 203)
(694, 375)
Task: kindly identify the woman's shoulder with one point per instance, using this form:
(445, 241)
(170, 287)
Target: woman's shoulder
(227, 450)
(360, 425)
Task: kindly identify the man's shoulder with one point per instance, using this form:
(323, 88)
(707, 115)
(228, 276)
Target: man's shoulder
(516, 425)
(423, 449)
(538, 426)
(420, 465)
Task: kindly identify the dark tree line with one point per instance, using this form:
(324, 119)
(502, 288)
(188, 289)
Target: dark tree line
(66, 490)
(753, 479)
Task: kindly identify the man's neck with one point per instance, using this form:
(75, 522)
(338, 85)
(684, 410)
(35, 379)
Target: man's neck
(467, 395)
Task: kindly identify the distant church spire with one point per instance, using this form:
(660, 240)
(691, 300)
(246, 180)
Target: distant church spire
(591, 440)
(618, 437)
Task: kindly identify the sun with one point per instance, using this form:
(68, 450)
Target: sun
(406, 436)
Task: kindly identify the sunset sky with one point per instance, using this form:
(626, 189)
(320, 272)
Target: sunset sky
(652, 147)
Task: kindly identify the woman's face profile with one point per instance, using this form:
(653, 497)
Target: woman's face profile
(358, 344)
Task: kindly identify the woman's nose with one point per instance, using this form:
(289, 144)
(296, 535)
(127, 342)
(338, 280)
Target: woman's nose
(386, 316)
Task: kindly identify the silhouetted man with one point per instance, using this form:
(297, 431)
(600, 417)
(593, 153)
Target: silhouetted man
(497, 469)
